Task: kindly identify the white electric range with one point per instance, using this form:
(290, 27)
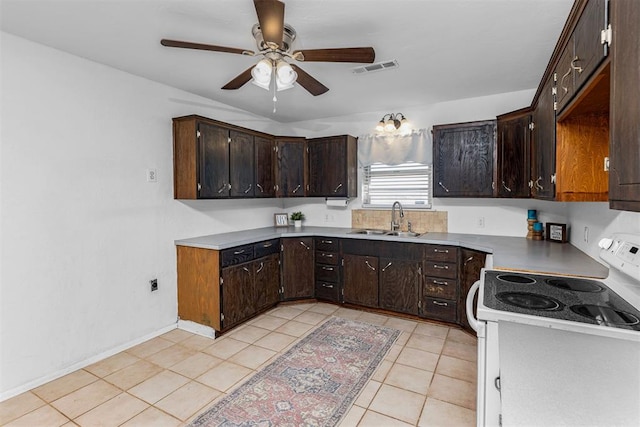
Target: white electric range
(560, 350)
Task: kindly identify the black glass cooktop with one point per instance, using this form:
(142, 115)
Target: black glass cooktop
(567, 298)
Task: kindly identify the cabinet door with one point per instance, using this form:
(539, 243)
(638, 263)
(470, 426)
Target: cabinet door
(544, 144)
(513, 157)
(213, 161)
(291, 161)
(241, 164)
(238, 300)
(399, 285)
(463, 156)
(565, 76)
(297, 268)
(472, 263)
(360, 280)
(329, 166)
(624, 146)
(265, 185)
(267, 281)
(588, 50)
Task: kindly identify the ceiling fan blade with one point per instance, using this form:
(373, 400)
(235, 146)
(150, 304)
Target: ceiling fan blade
(347, 54)
(239, 81)
(200, 46)
(271, 18)
(313, 86)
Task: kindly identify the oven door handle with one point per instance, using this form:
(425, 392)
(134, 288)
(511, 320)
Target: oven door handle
(473, 322)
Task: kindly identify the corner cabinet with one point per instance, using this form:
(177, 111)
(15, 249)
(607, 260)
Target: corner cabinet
(463, 158)
(333, 166)
(624, 175)
(291, 167)
(543, 164)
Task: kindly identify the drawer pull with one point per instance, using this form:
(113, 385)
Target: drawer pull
(267, 245)
(304, 244)
(444, 304)
(296, 189)
(386, 266)
(439, 282)
(246, 269)
(328, 242)
(260, 188)
(260, 268)
(241, 251)
(324, 285)
(327, 255)
(369, 265)
(440, 251)
(248, 189)
(441, 267)
(337, 188)
(327, 268)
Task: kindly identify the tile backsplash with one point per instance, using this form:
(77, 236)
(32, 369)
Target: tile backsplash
(421, 221)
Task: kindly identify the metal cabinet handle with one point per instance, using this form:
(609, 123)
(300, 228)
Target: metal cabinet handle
(224, 186)
(444, 304)
(537, 184)
(260, 268)
(248, 189)
(466, 261)
(246, 269)
(497, 384)
(241, 251)
(327, 268)
(440, 251)
(267, 245)
(578, 69)
(442, 185)
(304, 244)
(326, 255)
(324, 285)
(296, 189)
(441, 267)
(566, 89)
(386, 266)
(505, 187)
(337, 188)
(440, 282)
(369, 265)
(327, 241)
(260, 188)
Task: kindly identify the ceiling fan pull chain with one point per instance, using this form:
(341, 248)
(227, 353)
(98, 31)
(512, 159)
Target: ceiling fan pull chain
(274, 98)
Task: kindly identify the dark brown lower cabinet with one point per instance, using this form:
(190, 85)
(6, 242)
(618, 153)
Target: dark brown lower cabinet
(297, 268)
(471, 264)
(238, 301)
(360, 280)
(399, 285)
(267, 281)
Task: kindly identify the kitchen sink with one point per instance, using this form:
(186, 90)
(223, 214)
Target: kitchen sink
(369, 231)
(402, 233)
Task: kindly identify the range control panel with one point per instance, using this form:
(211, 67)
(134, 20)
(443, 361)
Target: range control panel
(622, 252)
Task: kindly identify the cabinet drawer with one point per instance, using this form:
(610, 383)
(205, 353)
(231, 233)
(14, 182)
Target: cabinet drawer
(327, 273)
(441, 269)
(328, 244)
(237, 255)
(327, 257)
(441, 253)
(327, 291)
(440, 288)
(267, 247)
(441, 309)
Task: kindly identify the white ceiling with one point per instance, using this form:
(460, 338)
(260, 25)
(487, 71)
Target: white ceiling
(447, 49)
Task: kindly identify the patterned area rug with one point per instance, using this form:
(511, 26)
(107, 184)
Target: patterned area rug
(312, 384)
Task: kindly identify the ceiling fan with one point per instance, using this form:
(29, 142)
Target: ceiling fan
(274, 39)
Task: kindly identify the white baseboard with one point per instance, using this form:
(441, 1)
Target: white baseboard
(79, 365)
(196, 328)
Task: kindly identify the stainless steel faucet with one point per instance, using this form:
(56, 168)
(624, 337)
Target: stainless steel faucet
(395, 225)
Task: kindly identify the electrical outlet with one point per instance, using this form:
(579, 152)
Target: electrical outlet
(152, 175)
(480, 222)
(154, 284)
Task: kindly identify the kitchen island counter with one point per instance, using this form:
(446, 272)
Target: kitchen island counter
(508, 253)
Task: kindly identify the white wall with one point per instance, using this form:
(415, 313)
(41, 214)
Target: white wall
(82, 230)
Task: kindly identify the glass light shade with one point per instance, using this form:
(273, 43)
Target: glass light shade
(261, 74)
(285, 76)
(405, 126)
(380, 126)
(390, 125)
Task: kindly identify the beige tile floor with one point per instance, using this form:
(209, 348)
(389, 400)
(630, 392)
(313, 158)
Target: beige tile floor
(427, 379)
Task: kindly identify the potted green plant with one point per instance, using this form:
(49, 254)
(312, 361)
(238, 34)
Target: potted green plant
(297, 218)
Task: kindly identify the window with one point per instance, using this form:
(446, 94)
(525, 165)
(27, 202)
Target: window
(408, 183)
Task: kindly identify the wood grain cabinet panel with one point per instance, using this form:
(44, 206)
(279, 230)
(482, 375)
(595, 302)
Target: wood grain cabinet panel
(297, 268)
(241, 164)
(513, 154)
(265, 183)
(291, 167)
(472, 263)
(199, 286)
(399, 285)
(213, 161)
(463, 157)
(544, 143)
(624, 175)
(333, 166)
(360, 280)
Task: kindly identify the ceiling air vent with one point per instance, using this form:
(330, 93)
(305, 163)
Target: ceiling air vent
(378, 66)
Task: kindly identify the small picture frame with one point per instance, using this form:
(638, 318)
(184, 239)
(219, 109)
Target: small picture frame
(281, 220)
(557, 232)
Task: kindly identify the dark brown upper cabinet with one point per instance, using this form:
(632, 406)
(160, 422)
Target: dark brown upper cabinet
(333, 166)
(624, 175)
(213, 165)
(463, 157)
(513, 154)
(543, 140)
(291, 167)
(241, 164)
(265, 183)
(582, 53)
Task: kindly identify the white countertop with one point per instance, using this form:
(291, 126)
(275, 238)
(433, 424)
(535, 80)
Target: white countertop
(509, 253)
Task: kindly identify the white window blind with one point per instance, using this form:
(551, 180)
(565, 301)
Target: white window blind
(408, 183)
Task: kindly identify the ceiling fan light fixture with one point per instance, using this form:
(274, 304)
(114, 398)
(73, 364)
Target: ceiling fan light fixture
(285, 75)
(261, 74)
